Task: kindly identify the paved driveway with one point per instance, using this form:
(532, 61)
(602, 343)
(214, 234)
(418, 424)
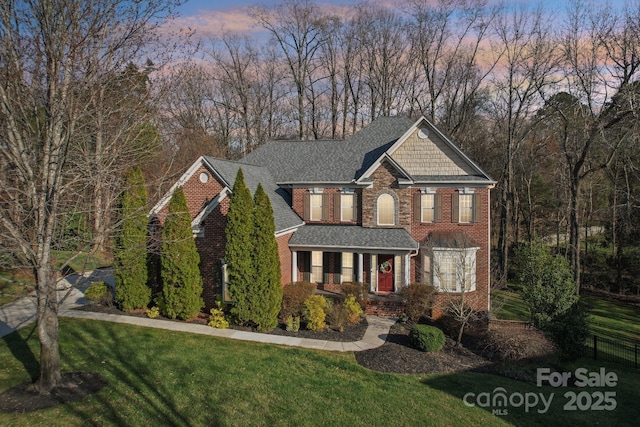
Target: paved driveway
(70, 292)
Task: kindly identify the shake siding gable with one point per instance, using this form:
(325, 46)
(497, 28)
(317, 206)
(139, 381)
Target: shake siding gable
(417, 155)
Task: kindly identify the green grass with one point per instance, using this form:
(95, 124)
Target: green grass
(168, 378)
(13, 287)
(80, 262)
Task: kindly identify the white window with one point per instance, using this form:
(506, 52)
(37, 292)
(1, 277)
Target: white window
(316, 267)
(454, 269)
(428, 208)
(466, 208)
(347, 267)
(346, 207)
(386, 209)
(315, 200)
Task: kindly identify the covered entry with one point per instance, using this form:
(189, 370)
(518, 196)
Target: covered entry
(331, 254)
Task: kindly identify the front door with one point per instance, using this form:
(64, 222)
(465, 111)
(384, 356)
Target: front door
(385, 273)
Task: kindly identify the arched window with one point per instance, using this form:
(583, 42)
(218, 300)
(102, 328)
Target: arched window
(386, 209)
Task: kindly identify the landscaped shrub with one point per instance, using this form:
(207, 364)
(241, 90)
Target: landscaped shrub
(292, 323)
(315, 312)
(426, 338)
(180, 271)
(217, 319)
(293, 297)
(100, 293)
(569, 332)
(353, 310)
(337, 315)
(358, 290)
(418, 300)
(153, 312)
(130, 245)
(511, 344)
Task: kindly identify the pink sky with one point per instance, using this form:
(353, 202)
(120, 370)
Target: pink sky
(208, 17)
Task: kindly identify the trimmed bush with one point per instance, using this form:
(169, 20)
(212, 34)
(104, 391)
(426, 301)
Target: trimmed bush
(130, 245)
(315, 312)
(353, 310)
(181, 281)
(293, 297)
(357, 289)
(292, 323)
(99, 293)
(418, 300)
(426, 338)
(337, 316)
(153, 312)
(217, 319)
(266, 262)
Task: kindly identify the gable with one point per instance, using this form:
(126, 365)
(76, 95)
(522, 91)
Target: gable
(200, 185)
(430, 155)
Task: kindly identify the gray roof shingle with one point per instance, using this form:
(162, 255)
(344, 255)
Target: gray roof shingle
(352, 237)
(340, 161)
(285, 218)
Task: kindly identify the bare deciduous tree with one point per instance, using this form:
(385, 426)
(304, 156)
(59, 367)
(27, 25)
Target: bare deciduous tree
(56, 57)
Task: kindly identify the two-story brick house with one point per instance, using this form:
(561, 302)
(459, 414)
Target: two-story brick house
(394, 204)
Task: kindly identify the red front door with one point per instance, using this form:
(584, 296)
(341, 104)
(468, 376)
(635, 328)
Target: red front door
(385, 273)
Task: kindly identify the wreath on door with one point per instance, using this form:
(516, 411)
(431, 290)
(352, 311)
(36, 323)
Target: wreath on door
(385, 267)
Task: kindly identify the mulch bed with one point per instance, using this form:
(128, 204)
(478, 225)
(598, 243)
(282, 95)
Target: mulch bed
(75, 386)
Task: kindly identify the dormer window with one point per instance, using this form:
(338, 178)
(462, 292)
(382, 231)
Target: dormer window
(386, 206)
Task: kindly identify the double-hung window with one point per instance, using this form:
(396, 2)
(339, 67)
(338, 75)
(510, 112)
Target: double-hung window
(315, 211)
(427, 207)
(465, 208)
(346, 206)
(347, 267)
(316, 267)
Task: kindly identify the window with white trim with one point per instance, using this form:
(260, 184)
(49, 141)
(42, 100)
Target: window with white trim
(386, 209)
(454, 269)
(315, 211)
(427, 207)
(346, 206)
(347, 267)
(316, 267)
(465, 206)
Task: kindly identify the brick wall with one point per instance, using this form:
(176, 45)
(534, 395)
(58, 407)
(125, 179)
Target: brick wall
(211, 248)
(285, 257)
(298, 205)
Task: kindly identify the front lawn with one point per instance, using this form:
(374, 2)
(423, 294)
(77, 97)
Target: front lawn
(160, 378)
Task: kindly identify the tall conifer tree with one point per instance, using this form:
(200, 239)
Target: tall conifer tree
(180, 271)
(130, 249)
(266, 262)
(239, 233)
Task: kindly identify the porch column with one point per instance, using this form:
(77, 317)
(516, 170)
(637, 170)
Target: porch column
(360, 267)
(407, 273)
(294, 266)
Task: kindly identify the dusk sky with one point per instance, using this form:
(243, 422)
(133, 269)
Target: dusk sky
(209, 16)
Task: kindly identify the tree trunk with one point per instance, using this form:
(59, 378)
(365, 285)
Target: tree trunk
(574, 230)
(47, 321)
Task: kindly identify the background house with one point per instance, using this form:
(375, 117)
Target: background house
(394, 204)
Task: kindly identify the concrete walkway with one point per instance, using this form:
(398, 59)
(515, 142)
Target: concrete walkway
(23, 312)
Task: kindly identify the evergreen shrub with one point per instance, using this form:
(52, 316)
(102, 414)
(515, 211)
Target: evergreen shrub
(426, 338)
(315, 312)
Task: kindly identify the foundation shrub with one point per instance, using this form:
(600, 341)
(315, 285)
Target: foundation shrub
(337, 315)
(418, 299)
(292, 323)
(217, 318)
(353, 310)
(426, 338)
(357, 289)
(315, 312)
(99, 293)
(293, 297)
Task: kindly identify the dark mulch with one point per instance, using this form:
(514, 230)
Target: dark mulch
(74, 386)
(350, 333)
(397, 356)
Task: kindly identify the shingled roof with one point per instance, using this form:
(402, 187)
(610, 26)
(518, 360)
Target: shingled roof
(329, 161)
(354, 237)
(285, 218)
